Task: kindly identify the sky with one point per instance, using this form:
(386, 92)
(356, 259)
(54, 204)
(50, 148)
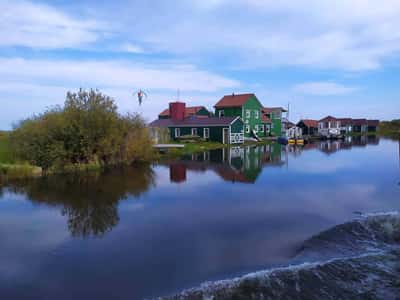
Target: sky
(339, 57)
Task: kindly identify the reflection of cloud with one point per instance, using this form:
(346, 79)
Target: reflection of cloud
(25, 235)
(310, 163)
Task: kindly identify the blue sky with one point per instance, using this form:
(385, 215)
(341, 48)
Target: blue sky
(338, 57)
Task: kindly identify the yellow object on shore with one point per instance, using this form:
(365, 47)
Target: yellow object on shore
(300, 142)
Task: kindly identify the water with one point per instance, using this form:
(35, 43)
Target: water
(155, 230)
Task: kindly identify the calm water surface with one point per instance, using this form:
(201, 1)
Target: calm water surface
(152, 231)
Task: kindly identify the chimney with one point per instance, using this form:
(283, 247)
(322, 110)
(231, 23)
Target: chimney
(177, 110)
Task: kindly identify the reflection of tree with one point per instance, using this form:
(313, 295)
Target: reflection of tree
(90, 200)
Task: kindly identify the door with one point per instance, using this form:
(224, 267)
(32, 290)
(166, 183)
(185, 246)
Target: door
(225, 135)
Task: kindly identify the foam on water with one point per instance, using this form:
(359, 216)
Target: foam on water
(358, 259)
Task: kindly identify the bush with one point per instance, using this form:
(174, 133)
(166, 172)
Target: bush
(86, 130)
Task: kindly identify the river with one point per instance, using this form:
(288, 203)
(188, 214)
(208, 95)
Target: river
(150, 231)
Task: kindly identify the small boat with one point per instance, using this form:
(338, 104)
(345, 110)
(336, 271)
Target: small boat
(282, 140)
(299, 142)
(292, 141)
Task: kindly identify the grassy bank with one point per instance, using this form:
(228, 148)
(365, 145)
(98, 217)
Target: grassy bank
(390, 129)
(9, 167)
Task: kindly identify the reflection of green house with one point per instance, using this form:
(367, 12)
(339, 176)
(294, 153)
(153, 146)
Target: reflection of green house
(252, 162)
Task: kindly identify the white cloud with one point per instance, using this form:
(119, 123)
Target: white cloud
(323, 88)
(130, 48)
(29, 85)
(345, 35)
(35, 25)
(113, 74)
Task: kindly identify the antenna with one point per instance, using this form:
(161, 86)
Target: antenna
(178, 94)
(287, 113)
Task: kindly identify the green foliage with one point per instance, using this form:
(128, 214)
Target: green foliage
(390, 128)
(5, 149)
(86, 130)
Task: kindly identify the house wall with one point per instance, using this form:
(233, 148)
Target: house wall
(267, 129)
(254, 120)
(252, 105)
(215, 132)
(229, 111)
(276, 126)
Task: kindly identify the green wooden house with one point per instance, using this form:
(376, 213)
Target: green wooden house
(225, 130)
(249, 108)
(274, 116)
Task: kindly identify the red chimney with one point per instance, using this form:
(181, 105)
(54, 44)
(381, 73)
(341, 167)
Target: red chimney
(177, 110)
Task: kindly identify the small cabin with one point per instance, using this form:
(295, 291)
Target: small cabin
(225, 130)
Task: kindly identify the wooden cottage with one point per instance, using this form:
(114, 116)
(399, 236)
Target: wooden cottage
(226, 130)
(245, 106)
(308, 127)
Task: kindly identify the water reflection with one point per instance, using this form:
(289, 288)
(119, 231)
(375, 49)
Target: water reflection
(209, 216)
(236, 164)
(244, 164)
(89, 201)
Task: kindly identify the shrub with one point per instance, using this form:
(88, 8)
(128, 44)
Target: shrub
(86, 130)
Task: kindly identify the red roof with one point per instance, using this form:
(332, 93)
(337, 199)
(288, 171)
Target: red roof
(328, 118)
(189, 111)
(233, 100)
(310, 123)
(267, 110)
(359, 121)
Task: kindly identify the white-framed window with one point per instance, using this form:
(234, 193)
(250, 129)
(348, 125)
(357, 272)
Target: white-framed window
(247, 113)
(177, 132)
(194, 131)
(256, 114)
(262, 128)
(247, 128)
(221, 113)
(206, 133)
(256, 127)
(272, 125)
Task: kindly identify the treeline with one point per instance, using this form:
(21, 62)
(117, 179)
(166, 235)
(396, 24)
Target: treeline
(390, 128)
(86, 130)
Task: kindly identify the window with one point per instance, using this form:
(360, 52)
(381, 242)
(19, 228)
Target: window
(206, 133)
(177, 132)
(194, 131)
(256, 114)
(247, 113)
(221, 113)
(272, 126)
(247, 128)
(262, 128)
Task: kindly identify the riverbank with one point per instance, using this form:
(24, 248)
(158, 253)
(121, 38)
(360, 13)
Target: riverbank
(11, 169)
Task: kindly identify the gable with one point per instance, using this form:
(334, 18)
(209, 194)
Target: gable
(234, 100)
